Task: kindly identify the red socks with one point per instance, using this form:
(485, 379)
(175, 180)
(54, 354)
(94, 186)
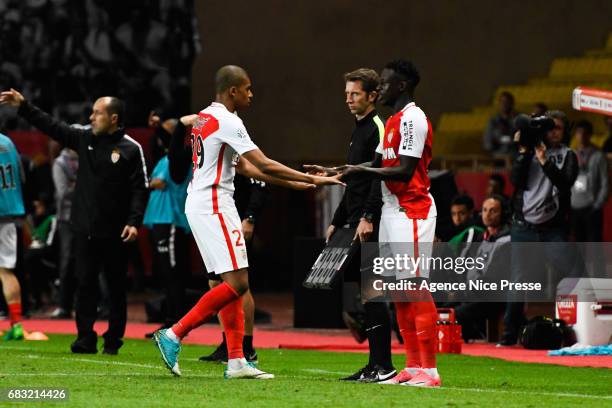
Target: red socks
(14, 310)
(417, 323)
(426, 331)
(232, 317)
(405, 321)
(209, 304)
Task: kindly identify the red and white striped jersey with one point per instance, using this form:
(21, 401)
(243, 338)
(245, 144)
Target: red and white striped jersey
(217, 139)
(408, 133)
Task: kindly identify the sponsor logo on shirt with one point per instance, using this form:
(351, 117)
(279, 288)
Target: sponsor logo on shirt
(389, 154)
(408, 129)
(241, 134)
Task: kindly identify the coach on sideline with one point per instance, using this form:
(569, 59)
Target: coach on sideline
(109, 201)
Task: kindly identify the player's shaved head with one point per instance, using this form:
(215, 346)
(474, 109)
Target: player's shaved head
(228, 76)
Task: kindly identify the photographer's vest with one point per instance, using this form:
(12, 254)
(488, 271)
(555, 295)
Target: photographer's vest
(541, 198)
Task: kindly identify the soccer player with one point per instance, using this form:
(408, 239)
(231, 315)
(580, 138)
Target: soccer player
(409, 212)
(219, 138)
(11, 209)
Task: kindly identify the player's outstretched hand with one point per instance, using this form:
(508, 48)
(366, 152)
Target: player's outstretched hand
(327, 181)
(189, 120)
(316, 170)
(12, 98)
(347, 170)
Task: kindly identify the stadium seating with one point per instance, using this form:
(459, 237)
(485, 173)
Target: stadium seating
(460, 133)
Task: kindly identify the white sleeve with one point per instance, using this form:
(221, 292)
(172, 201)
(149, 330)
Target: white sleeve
(238, 138)
(413, 132)
(379, 148)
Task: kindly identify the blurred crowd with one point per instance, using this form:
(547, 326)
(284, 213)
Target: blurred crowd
(64, 53)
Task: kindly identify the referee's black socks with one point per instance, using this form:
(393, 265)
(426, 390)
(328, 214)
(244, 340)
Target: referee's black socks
(378, 331)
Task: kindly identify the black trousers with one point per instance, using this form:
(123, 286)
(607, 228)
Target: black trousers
(40, 268)
(587, 225)
(109, 257)
(171, 256)
(66, 265)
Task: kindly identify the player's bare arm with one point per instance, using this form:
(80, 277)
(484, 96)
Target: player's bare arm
(403, 172)
(247, 169)
(274, 168)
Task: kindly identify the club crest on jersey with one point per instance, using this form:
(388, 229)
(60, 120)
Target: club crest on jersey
(390, 136)
(115, 156)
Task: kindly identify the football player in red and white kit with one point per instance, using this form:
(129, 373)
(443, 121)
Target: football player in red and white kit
(220, 140)
(408, 220)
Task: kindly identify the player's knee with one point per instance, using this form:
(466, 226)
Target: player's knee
(241, 287)
(238, 280)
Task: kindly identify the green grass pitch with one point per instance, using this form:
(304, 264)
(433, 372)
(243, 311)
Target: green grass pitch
(137, 378)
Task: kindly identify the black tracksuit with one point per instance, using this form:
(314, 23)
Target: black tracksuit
(362, 194)
(110, 193)
(362, 197)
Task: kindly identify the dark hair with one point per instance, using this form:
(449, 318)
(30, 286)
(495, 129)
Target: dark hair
(368, 77)
(500, 179)
(406, 69)
(586, 126)
(228, 76)
(507, 95)
(560, 115)
(463, 199)
(116, 107)
(541, 106)
(505, 206)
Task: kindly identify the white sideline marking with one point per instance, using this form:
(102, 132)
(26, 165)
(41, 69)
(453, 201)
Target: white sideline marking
(131, 374)
(87, 360)
(320, 371)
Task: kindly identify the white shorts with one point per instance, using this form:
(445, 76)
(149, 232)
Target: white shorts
(403, 236)
(8, 245)
(220, 240)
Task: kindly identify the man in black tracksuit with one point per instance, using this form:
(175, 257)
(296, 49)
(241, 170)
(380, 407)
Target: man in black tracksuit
(109, 202)
(360, 209)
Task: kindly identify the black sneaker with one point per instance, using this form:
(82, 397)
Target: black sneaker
(112, 347)
(84, 346)
(217, 356)
(378, 374)
(358, 375)
(110, 351)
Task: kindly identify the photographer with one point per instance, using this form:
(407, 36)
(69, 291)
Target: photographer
(543, 174)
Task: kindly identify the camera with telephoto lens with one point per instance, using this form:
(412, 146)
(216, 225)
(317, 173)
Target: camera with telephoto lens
(533, 129)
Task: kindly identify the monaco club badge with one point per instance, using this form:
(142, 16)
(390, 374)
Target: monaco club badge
(115, 156)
